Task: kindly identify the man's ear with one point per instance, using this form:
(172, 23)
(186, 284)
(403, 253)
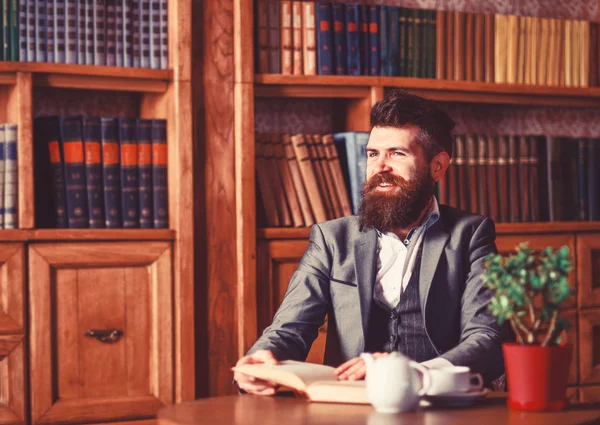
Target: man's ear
(438, 165)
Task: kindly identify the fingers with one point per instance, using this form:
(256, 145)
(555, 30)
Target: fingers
(355, 369)
(255, 386)
(341, 369)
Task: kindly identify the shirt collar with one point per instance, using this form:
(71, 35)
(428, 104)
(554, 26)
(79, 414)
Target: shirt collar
(430, 218)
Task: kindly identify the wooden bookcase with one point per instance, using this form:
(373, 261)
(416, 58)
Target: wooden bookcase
(57, 284)
(252, 284)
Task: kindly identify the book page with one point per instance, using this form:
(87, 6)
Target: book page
(297, 375)
(338, 392)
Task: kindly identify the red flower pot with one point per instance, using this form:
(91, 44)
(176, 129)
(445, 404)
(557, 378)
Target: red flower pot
(537, 376)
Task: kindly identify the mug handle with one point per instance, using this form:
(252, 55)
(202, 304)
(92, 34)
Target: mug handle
(426, 377)
(476, 377)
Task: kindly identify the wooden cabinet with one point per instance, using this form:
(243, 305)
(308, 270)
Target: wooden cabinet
(101, 330)
(12, 334)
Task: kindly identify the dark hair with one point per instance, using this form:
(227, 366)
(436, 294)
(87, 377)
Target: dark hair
(400, 109)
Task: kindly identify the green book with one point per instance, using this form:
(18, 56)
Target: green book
(14, 30)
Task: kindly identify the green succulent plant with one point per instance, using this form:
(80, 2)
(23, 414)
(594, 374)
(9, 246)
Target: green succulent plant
(528, 287)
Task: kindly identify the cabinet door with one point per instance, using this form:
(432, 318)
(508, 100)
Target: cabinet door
(588, 269)
(507, 243)
(277, 260)
(101, 331)
(12, 373)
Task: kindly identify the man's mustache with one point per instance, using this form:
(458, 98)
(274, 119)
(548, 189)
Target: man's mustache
(381, 178)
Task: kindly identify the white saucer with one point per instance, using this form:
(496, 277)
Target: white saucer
(457, 399)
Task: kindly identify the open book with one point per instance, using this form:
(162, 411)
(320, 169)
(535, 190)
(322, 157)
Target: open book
(316, 382)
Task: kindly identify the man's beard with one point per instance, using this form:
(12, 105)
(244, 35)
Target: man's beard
(396, 208)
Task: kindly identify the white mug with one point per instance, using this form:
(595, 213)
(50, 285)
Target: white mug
(453, 379)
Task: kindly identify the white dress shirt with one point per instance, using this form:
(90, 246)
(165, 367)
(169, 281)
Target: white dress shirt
(395, 264)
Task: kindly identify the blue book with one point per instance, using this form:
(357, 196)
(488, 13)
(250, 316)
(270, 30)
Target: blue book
(394, 40)
(130, 198)
(144, 134)
(385, 65)
(351, 147)
(71, 147)
(111, 172)
(160, 188)
(374, 40)
(353, 39)
(10, 177)
(324, 39)
(363, 11)
(93, 171)
(339, 38)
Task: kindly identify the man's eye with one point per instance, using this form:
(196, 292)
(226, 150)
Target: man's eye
(372, 154)
(398, 153)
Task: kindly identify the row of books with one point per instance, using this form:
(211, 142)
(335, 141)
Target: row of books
(127, 33)
(99, 172)
(304, 37)
(9, 186)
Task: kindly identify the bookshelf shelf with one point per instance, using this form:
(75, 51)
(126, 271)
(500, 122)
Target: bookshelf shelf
(338, 86)
(501, 229)
(88, 76)
(101, 235)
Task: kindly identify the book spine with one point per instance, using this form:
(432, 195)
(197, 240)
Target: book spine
(119, 42)
(309, 38)
(452, 183)
(89, 32)
(462, 176)
(135, 33)
(73, 155)
(353, 40)
(402, 40)
(384, 40)
(513, 177)
(130, 200)
(324, 39)
(144, 137)
(592, 178)
(111, 172)
(2, 168)
(489, 48)
(525, 177)
(303, 200)
(331, 192)
(503, 178)
(14, 30)
(50, 33)
(160, 188)
(93, 171)
(275, 182)
(297, 41)
(469, 47)
(319, 176)
(265, 189)
(440, 34)
(155, 38)
(534, 189)
(479, 47)
(145, 34)
(374, 56)
(449, 45)
(274, 37)
(262, 36)
(418, 46)
(111, 33)
(99, 12)
(60, 47)
(394, 43)
(492, 178)
(582, 198)
(339, 38)
(286, 179)
(471, 187)
(48, 129)
(482, 184)
(81, 25)
(287, 39)
(164, 34)
(459, 45)
(23, 28)
(128, 34)
(364, 39)
(10, 177)
(71, 32)
(40, 31)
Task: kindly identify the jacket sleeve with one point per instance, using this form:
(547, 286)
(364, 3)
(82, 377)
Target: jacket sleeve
(480, 345)
(306, 301)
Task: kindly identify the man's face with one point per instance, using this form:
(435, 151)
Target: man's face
(399, 183)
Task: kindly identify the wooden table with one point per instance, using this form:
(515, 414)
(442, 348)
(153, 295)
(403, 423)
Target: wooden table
(256, 410)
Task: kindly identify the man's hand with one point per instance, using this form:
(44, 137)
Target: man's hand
(354, 369)
(255, 385)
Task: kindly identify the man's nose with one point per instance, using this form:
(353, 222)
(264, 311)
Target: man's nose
(382, 165)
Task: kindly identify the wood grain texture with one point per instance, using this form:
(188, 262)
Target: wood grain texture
(85, 380)
(589, 365)
(89, 235)
(12, 287)
(588, 247)
(246, 213)
(180, 39)
(95, 82)
(217, 212)
(243, 48)
(20, 112)
(254, 410)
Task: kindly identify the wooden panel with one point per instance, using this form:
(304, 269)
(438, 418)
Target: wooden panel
(573, 394)
(100, 71)
(12, 379)
(507, 244)
(588, 269)
(589, 346)
(243, 18)
(572, 334)
(246, 214)
(277, 261)
(89, 82)
(589, 394)
(20, 112)
(180, 39)
(101, 235)
(75, 377)
(12, 275)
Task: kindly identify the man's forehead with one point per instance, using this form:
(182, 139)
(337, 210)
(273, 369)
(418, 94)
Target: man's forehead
(389, 137)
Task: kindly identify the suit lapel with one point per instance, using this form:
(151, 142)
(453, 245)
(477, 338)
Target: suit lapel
(365, 256)
(435, 240)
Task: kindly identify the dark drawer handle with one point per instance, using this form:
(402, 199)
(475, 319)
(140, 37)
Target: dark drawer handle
(104, 335)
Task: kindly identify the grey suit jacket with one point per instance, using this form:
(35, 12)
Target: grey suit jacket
(336, 276)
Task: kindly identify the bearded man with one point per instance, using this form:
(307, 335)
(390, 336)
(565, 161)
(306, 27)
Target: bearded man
(404, 275)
